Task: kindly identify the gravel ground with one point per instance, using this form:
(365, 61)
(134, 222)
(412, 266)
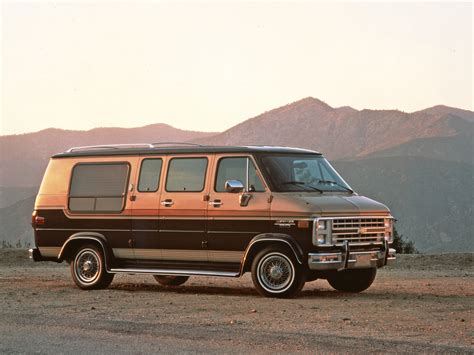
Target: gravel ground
(423, 304)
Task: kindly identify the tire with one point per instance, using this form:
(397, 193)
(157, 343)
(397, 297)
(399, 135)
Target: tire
(88, 268)
(276, 273)
(171, 280)
(354, 280)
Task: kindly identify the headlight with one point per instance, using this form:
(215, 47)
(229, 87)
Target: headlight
(321, 224)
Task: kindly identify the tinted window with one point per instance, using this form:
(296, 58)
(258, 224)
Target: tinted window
(150, 172)
(302, 173)
(186, 174)
(98, 187)
(236, 169)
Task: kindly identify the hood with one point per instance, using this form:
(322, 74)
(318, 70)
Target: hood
(325, 205)
(335, 204)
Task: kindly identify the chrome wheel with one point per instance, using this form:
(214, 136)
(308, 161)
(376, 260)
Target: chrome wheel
(275, 272)
(87, 266)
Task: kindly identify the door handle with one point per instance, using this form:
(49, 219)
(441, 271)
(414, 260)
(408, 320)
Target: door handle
(216, 203)
(167, 203)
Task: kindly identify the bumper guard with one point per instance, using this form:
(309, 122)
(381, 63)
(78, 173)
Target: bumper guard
(347, 259)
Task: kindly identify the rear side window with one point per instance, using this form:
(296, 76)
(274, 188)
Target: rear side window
(186, 175)
(241, 169)
(98, 187)
(150, 172)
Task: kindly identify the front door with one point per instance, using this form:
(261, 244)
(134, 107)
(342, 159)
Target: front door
(183, 209)
(235, 218)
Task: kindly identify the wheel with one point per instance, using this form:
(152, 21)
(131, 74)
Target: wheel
(353, 280)
(276, 273)
(88, 268)
(171, 280)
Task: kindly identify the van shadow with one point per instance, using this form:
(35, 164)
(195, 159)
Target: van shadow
(315, 293)
(204, 290)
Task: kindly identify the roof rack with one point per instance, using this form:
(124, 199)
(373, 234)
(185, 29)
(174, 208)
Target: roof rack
(131, 145)
(110, 146)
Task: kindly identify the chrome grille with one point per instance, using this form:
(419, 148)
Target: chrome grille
(358, 230)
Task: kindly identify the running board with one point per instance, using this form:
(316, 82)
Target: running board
(175, 272)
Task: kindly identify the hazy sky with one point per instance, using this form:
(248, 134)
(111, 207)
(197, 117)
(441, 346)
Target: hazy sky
(209, 66)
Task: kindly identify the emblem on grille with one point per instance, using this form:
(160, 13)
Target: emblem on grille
(363, 230)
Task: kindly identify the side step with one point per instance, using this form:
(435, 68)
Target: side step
(175, 272)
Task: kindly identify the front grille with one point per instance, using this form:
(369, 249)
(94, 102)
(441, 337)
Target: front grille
(358, 230)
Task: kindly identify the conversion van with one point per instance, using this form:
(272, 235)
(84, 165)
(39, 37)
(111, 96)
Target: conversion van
(174, 211)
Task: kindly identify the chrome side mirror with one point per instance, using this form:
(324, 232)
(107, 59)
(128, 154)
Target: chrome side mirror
(234, 186)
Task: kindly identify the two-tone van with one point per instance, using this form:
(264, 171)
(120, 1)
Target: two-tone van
(174, 211)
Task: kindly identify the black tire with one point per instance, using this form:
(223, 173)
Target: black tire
(287, 279)
(352, 280)
(171, 280)
(88, 268)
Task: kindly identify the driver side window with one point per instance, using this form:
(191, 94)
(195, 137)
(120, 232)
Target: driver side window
(236, 169)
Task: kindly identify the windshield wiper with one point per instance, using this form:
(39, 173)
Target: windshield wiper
(337, 184)
(302, 184)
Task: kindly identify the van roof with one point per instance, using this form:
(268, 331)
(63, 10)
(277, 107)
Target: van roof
(171, 148)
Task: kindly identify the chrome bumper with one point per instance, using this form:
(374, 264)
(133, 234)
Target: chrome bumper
(347, 259)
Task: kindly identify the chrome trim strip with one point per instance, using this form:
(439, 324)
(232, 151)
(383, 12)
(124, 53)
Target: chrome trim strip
(145, 230)
(186, 255)
(123, 253)
(176, 272)
(178, 254)
(224, 256)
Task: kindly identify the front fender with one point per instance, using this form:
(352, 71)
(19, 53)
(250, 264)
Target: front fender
(272, 237)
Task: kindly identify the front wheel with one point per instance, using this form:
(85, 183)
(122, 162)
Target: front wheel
(88, 268)
(276, 273)
(352, 280)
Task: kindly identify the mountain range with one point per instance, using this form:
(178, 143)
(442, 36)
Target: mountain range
(420, 164)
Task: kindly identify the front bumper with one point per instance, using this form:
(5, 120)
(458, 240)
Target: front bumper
(347, 259)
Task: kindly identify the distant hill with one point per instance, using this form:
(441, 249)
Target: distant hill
(24, 157)
(420, 164)
(11, 195)
(343, 133)
(432, 199)
(15, 220)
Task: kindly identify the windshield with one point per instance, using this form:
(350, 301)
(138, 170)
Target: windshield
(303, 173)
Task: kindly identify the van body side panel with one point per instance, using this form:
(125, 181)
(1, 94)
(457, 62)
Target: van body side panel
(232, 226)
(145, 212)
(183, 214)
(60, 223)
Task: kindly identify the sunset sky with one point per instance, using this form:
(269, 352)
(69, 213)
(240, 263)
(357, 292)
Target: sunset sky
(208, 66)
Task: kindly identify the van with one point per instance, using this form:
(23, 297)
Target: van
(179, 210)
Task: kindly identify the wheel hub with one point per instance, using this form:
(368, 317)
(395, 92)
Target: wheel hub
(87, 265)
(276, 272)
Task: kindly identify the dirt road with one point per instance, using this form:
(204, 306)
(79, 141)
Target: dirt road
(425, 303)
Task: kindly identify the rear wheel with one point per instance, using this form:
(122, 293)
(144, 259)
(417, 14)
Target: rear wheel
(166, 280)
(276, 273)
(352, 280)
(88, 268)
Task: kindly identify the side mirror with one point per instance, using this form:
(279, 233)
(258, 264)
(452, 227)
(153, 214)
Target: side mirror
(234, 186)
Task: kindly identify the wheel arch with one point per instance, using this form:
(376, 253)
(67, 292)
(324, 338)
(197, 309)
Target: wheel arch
(265, 239)
(82, 237)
